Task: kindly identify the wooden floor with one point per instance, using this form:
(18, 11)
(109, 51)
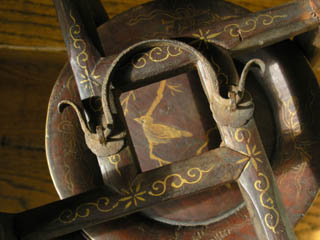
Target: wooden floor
(31, 55)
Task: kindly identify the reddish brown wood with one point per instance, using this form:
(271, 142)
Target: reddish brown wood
(285, 116)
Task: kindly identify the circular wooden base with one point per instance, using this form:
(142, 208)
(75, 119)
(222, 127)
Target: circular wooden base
(282, 103)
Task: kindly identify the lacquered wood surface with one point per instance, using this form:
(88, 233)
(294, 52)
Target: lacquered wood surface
(26, 81)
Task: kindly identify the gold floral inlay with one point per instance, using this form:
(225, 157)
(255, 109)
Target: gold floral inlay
(204, 37)
(252, 156)
(133, 196)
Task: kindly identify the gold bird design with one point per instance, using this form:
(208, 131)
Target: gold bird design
(159, 134)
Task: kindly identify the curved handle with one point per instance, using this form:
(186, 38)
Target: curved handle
(252, 31)
(238, 131)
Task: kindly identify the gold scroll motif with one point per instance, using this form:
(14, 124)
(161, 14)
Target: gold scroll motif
(234, 30)
(180, 20)
(133, 195)
(271, 220)
(159, 187)
(114, 160)
(294, 130)
(251, 24)
(244, 135)
(156, 54)
(157, 133)
(83, 211)
(88, 79)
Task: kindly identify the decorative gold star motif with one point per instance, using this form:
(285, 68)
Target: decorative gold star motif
(204, 37)
(132, 196)
(252, 157)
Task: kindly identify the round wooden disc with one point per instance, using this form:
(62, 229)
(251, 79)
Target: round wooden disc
(281, 102)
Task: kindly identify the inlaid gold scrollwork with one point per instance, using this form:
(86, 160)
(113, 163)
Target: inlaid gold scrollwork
(271, 220)
(250, 24)
(82, 56)
(180, 20)
(143, 17)
(299, 147)
(159, 187)
(235, 29)
(114, 160)
(132, 196)
(156, 54)
(240, 135)
(83, 211)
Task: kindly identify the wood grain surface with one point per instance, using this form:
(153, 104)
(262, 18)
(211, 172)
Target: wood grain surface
(32, 54)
